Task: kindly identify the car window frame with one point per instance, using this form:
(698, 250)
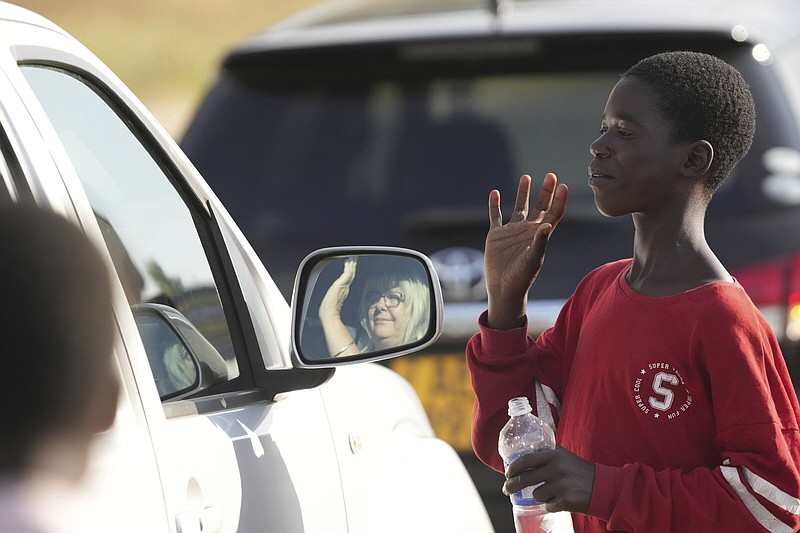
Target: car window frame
(10, 170)
(216, 397)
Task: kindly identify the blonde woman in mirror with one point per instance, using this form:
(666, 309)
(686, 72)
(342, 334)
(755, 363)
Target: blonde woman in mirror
(394, 311)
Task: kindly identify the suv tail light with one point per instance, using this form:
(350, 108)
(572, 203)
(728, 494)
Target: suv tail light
(774, 286)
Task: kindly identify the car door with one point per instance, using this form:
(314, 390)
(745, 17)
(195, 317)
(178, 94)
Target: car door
(122, 484)
(230, 456)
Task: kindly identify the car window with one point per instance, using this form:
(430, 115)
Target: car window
(151, 231)
(393, 150)
(413, 156)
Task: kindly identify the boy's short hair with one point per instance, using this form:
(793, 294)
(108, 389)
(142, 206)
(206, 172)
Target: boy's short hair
(704, 98)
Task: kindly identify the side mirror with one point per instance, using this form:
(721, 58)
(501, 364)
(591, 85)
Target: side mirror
(183, 361)
(364, 304)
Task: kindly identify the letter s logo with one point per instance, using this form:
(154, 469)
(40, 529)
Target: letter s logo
(659, 388)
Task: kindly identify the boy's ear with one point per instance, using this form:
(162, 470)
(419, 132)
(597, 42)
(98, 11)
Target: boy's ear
(698, 159)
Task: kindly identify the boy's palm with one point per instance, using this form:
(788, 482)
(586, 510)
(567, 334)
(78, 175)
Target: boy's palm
(515, 251)
(511, 263)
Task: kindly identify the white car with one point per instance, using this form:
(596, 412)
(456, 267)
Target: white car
(229, 419)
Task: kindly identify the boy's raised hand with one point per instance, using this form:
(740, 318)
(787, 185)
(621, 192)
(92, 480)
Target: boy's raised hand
(515, 250)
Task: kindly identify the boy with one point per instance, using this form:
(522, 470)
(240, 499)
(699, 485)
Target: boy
(670, 395)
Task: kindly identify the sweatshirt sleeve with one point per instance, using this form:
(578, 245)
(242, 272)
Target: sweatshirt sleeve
(729, 498)
(508, 364)
(501, 366)
(756, 485)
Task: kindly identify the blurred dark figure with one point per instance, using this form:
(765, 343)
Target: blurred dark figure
(58, 386)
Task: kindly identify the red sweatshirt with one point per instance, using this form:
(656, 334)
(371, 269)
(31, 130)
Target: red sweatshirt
(683, 402)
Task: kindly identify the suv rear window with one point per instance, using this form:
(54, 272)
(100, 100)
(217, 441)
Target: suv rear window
(399, 151)
(411, 150)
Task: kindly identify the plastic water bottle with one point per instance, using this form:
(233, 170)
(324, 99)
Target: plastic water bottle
(525, 433)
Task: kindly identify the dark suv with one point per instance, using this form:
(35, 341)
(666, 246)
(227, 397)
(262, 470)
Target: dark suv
(390, 122)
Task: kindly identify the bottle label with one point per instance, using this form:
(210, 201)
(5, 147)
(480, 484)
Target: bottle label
(524, 497)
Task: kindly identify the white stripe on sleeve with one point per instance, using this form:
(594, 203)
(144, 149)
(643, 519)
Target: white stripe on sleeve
(765, 489)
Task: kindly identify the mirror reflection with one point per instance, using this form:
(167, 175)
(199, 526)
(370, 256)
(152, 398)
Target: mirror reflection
(173, 368)
(367, 303)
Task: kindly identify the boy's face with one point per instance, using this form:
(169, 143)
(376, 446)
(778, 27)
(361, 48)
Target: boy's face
(635, 166)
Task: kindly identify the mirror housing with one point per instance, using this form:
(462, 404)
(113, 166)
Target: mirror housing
(355, 304)
(183, 361)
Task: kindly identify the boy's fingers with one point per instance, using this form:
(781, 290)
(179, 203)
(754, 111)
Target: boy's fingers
(495, 214)
(526, 478)
(545, 197)
(527, 470)
(558, 206)
(537, 250)
(550, 202)
(528, 461)
(521, 203)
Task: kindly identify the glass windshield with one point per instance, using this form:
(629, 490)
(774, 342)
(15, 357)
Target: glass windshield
(421, 151)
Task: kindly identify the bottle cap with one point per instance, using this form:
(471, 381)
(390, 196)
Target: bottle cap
(519, 406)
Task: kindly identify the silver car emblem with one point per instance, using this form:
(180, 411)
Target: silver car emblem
(460, 271)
